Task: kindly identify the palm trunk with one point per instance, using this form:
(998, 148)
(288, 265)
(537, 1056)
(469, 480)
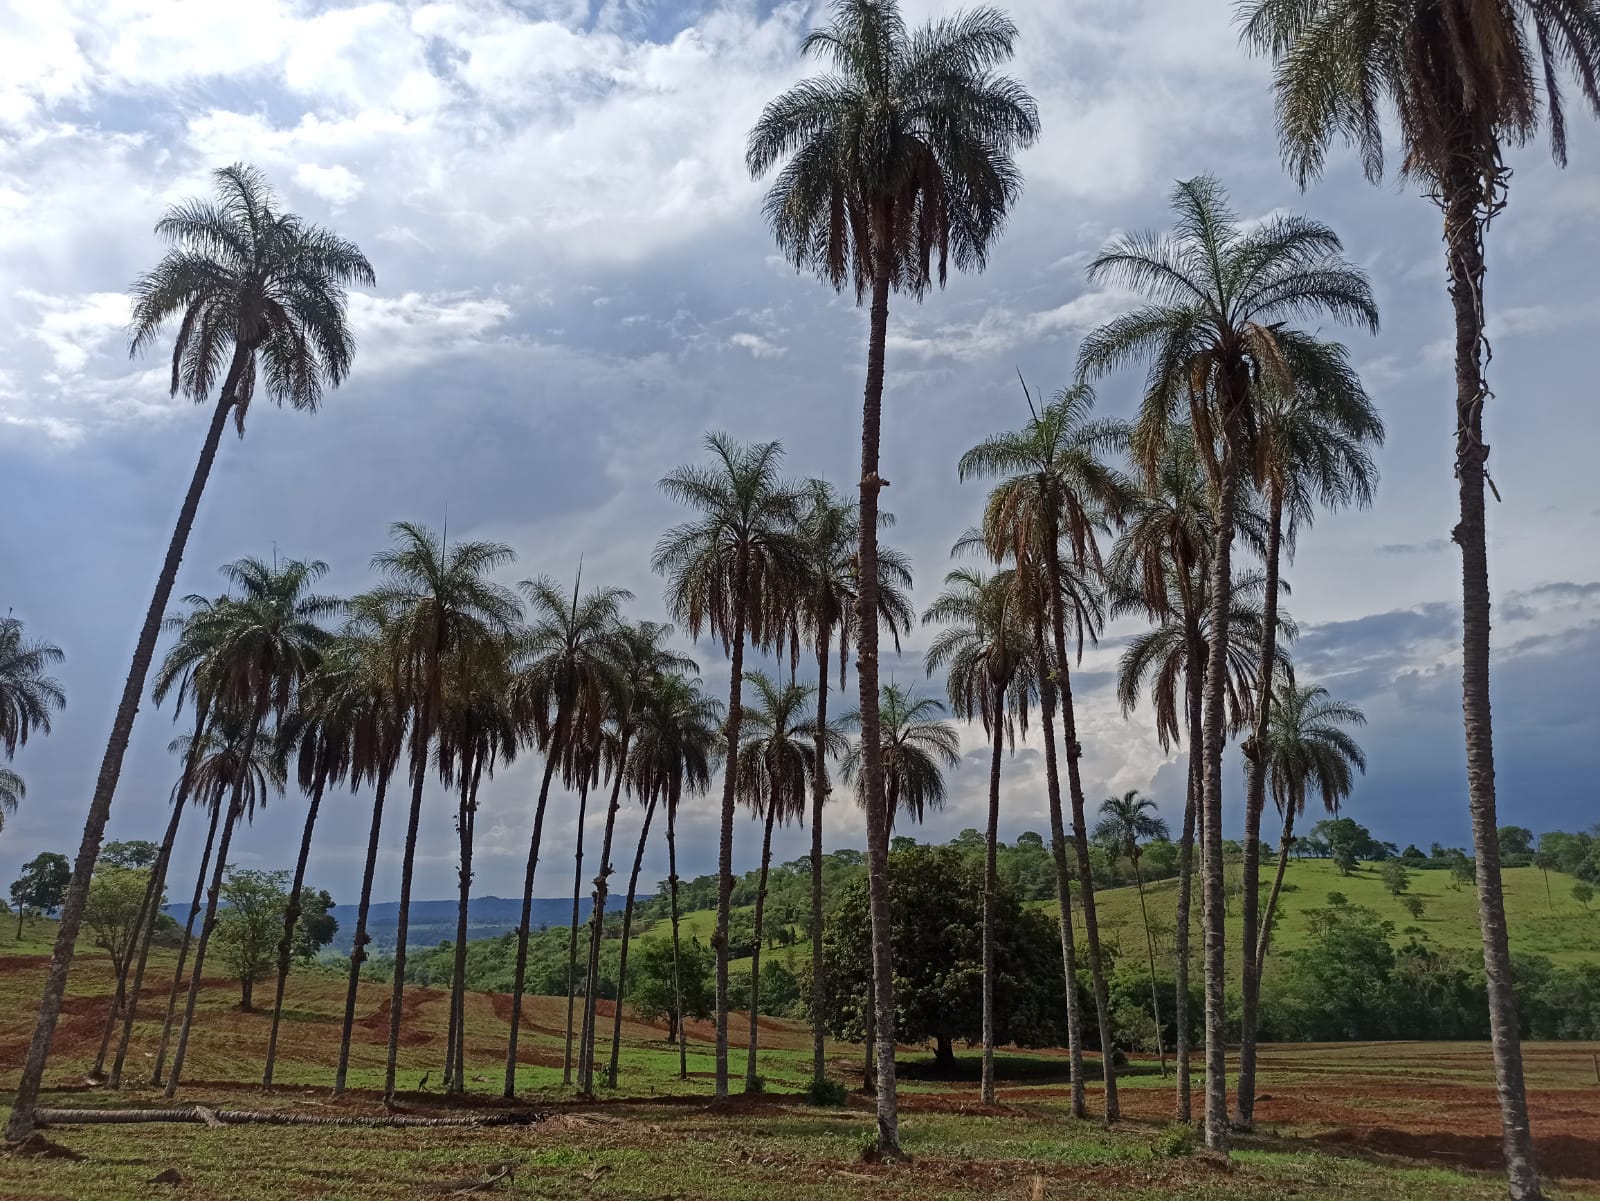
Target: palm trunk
(755, 957)
(1214, 734)
(158, 884)
(990, 889)
(183, 947)
(819, 795)
(94, 827)
(725, 841)
(1058, 855)
(1465, 208)
(358, 948)
(1150, 946)
(463, 889)
(519, 980)
(627, 934)
(868, 1076)
(458, 992)
(867, 676)
(1277, 887)
(677, 971)
(1180, 941)
(597, 924)
(397, 990)
(291, 918)
(1255, 802)
(572, 937)
(235, 811)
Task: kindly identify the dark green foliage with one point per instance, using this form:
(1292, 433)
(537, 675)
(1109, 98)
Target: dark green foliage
(317, 925)
(826, 1093)
(650, 979)
(137, 854)
(41, 885)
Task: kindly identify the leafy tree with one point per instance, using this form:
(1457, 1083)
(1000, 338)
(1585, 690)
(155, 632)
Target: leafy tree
(114, 909)
(1395, 877)
(732, 571)
(137, 854)
(317, 924)
(1583, 893)
(901, 155)
(1515, 842)
(655, 981)
(1414, 905)
(40, 886)
(249, 925)
(259, 296)
(1463, 872)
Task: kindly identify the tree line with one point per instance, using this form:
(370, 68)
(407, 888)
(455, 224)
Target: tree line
(897, 159)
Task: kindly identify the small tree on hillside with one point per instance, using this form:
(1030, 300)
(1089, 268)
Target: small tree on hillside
(316, 926)
(1583, 893)
(1415, 906)
(249, 928)
(650, 981)
(113, 910)
(1395, 877)
(138, 854)
(41, 886)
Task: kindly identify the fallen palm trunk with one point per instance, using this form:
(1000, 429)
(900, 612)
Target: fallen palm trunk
(247, 1117)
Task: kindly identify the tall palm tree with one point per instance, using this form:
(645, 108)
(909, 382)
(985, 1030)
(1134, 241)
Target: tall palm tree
(1126, 822)
(775, 762)
(28, 693)
(1466, 80)
(900, 156)
(919, 746)
(987, 654)
(642, 662)
(560, 693)
(1054, 494)
(827, 603)
(437, 603)
(12, 791)
(732, 571)
(1306, 747)
(1214, 330)
(263, 292)
(377, 740)
(678, 746)
(265, 641)
(1312, 448)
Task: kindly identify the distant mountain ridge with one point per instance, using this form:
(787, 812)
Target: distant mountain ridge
(434, 922)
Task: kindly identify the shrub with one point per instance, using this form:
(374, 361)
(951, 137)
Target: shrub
(826, 1093)
(1174, 1142)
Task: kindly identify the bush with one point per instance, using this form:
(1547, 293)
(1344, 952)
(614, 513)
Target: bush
(1174, 1142)
(756, 1086)
(826, 1093)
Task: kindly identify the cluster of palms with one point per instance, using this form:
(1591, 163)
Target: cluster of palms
(899, 159)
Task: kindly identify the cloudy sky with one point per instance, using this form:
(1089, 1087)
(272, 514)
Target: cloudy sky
(574, 283)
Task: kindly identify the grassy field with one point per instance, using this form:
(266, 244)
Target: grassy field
(1410, 1121)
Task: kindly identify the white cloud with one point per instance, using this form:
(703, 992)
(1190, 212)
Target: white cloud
(756, 345)
(337, 185)
(74, 328)
(402, 333)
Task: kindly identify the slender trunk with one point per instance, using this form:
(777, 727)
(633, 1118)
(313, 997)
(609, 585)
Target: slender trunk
(1194, 679)
(158, 882)
(572, 936)
(819, 796)
(1277, 887)
(867, 676)
(1255, 776)
(1466, 209)
(1150, 946)
(552, 754)
(868, 1075)
(627, 934)
(755, 957)
(183, 947)
(397, 989)
(22, 914)
(597, 923)
(208, 923)
(462, 890)
(725, 842)
(677, 969)
(247, 988)
(1058, 855)
(358, 948)
(291, 918)
(460, 1085)
(990, 889)
(94, 827)
(1214, 734)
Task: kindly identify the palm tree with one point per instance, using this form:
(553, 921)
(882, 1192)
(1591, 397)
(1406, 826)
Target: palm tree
(987, 653)
(559, 693)
(377, 739)
(1311, 449)
(263, 292)
(901, 155)
(1126, 822)
(220, 768)
(586, 763)
(12, 790)
(437, 603)
(642, 662)
(1214, 331)
(1465, 81)
(827, 604)
(28, 695)
(732, 571)
(1055, 493)
(1306, 746)
(677, 749)
(775, 762)
(264, 643)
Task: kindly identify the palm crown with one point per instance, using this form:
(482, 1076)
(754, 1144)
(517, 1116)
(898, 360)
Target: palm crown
(1128, 820)
(247, 280)
(1309, 748)
(986, 649)
(918, 747)
(778, 747)
(28, 694)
